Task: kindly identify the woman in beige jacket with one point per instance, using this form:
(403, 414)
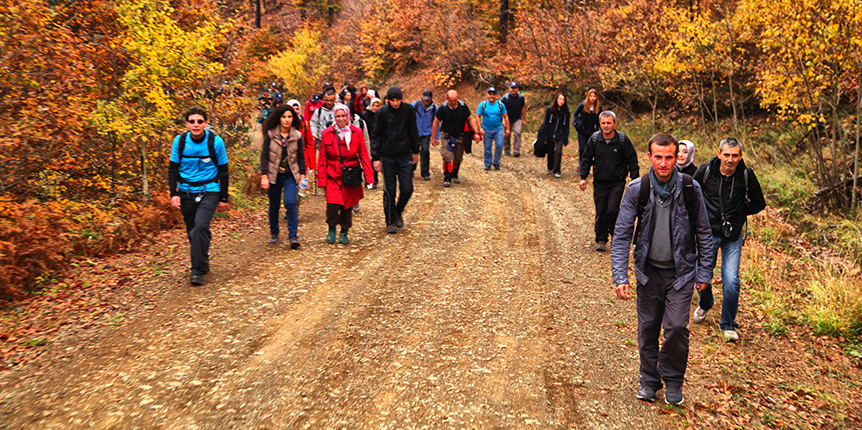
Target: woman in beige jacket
(282, 168)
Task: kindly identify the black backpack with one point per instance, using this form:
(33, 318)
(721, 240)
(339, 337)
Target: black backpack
(212, 156)
(688, 196)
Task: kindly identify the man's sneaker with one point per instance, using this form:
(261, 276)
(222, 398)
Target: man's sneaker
(487, 167)
(399, 221)
(197, 278)
(426, 177)
(507, 153)
(646, 393)
(699, 315)
(673, 396)
(601, 246)
(391, 228)
(549, 172)
(356, 208)
(447, 184)
(496, 167)
(456, 180)
(557, 175)
(730, 335)
(273, 239)
(517, 154)
(294, 243)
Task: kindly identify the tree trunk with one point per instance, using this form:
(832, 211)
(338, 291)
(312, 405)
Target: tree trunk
(145, 186)
(504, 21)
(853, 200)
(257, 13)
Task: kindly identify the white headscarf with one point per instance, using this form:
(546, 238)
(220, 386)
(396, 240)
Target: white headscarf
(690, 158)
(343, 132)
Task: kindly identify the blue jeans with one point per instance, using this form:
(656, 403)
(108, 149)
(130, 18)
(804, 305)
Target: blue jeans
(497, 137)
(731, 251)
(283, 182)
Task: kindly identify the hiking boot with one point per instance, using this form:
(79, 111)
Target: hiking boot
(447, 183)
(646, 393)
(196, 278)
(343, 239)
(294, 243)
(391, 228)
(356, 208)
(601, 246)
(549, 172)
(496, 167)
(330, 237)
(399, 221)
(699, 315)
(517, 154)
(427, 177)
(507, 153)
(730, 335)
(557, 175)
(487, 167)
(456, 180)
(273, 239)
(673, 396)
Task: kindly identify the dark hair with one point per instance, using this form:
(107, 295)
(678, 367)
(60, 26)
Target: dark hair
(730, 142)
(556, 110)
(274, 118)
(329, 92)
(663, 139)
(196, 110)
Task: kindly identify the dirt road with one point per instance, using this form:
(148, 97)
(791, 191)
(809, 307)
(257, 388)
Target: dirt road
(489, 310)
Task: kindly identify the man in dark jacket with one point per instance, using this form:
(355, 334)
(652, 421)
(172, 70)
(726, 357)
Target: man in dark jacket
(394, 151)
(671, 257)
(612, 156)
(731, 192)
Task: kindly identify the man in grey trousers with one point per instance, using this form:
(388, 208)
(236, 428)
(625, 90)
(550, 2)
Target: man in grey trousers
(672, 256)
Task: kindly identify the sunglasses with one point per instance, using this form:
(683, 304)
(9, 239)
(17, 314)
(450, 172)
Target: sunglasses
(195, 121)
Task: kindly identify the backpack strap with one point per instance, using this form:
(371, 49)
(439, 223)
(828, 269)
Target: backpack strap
(212, 156)
(643, 199)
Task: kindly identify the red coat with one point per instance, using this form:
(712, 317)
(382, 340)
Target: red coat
(308, 150)
(329, 166)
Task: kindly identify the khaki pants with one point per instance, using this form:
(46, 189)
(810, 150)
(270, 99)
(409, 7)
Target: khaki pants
(513, 140)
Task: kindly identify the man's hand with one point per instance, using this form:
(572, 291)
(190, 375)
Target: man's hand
(508, 132)
(223, 206)
(175, 202)
(700, 286)
(264, 182)
(415, 158)
(583, 184)
(623, 292)
(435, 142)
(378, 166)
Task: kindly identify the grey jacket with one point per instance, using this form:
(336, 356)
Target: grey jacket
(690, 253)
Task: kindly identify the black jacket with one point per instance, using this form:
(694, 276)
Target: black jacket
(394, 132)
(738, 202)
(556, 126)
(610, 161)
(586, 122)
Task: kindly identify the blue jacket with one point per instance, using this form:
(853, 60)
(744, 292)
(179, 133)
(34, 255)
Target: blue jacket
(692, 254)
(424, 117)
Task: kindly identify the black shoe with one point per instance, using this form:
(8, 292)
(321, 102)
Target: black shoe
(487, 167)
(447, 184)
(673, 396)
(391, 228)
(196, 279)
(399, 221)
(647, 394)
(496, 167)
(294, 243)
(517, 154)
(456, 180)
(427, 177)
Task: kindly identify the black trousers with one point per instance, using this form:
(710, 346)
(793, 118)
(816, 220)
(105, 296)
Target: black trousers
(197, 217)
(424, 156)
(582, 145)
(555, 155)
(607, 197)
(661, 306)
(339, 215)
(400, 167)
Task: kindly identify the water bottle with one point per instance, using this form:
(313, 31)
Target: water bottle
(303, 186)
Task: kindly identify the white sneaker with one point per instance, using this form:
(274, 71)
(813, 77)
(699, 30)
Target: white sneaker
(730, 335)
(699, 315)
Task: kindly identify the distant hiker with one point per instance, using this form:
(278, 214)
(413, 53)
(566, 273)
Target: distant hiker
(495, 123)
(672, 253)
(611, 155)
(359, 105)
(556, 133)
(369, 116)
(731, 192)
(586, 119)
(262, 109)
(426, 111)
(394, 151)
(342, 146)
(307, 138)
(198, 183)
(349, 87)
(347, 100)
(324, 116)
(311, 105)
(282, 168)
(453, 119)
(685, 158)
(516, 107)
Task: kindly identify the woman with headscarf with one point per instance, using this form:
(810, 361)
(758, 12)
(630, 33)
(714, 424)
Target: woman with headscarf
(282, 168)
(342, 144)
(685, 157)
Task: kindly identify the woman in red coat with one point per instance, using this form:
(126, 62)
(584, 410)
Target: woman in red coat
(340, 198)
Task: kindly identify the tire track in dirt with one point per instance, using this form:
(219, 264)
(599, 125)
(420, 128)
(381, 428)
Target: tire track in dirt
(489, 310)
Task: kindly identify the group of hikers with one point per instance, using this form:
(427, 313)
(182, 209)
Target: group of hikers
(678, 216)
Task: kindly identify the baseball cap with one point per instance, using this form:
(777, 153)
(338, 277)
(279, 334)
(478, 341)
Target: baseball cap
(427, 95)
(513, 85)
(492, 90)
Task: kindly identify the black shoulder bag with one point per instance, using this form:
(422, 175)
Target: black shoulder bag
(351, 176)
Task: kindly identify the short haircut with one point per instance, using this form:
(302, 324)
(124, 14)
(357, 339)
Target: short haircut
(608, 113)
(329, 92)
(663, 139)
(730, 142)
(196, 110)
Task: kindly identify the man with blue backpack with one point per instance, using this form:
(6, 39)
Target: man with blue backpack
(426, 111)
(495, 122)
(198, 182)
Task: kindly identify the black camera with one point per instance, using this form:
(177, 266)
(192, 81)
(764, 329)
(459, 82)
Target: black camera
(727, 229)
